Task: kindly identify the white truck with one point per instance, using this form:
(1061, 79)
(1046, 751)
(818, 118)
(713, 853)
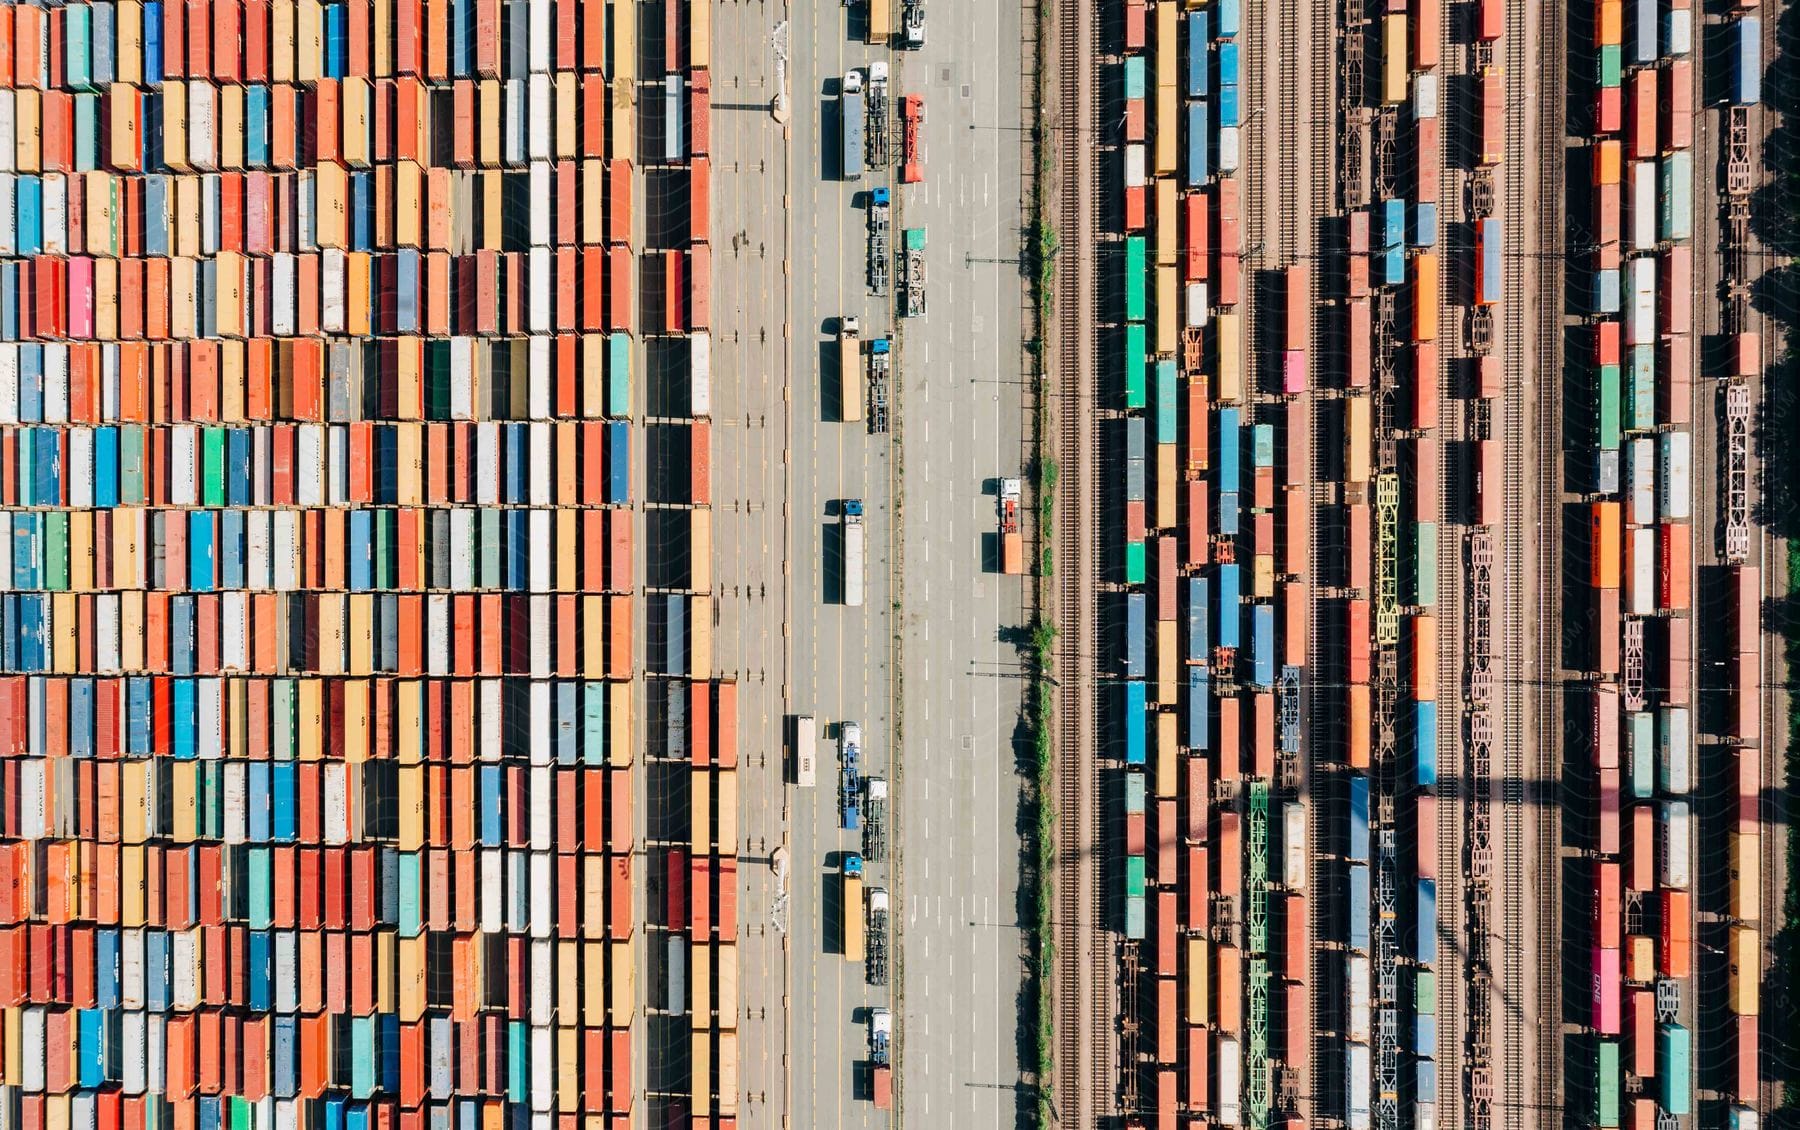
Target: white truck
(852, 521)
(806, 751)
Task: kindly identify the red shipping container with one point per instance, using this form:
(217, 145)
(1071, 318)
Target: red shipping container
(1490, 483)
(1746, 697)
(1427, 160)
(1640, 1044)
(1358, 629)
(1359, 545)
(700, 111)
(700, 289)
(1607, 230)
(1167, 573)
(1608, 921)
(1640, 132)
(1675, 281)
(1677, 670)
(1228, 988)
(1134, 25)
(1608, 840)
(1747, 803)
(725, 877)
(1425, 837)
(1194, 521)
(1195, 915)
(1677, 102)
(1135, 823)
(1425, 384)
(1609, 110)
(1490, 20)
(1196, 234)
(1294, 952)
(1227, 873)
(1134, 208)
(1675, 913)
(1427, 28)
(1296, 1029)
(1358, 333)
(1675, 550)
(1135, 115)
(1746, 354)
(1166, 933)
(1745, 1075)
(1294, 617)
(1297, 318)
(1492, 147)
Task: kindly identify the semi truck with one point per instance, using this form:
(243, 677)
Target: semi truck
(806, 751)
(851, 519)
(879, 220)
(876, 971)
(850, 776)
(912, 115)
(878, 144)
(850, 398)
(915, 273)
(850, 113)
(1012, 550)
(851, 907)
(912, 21)
(874, 818)
(881, 1043)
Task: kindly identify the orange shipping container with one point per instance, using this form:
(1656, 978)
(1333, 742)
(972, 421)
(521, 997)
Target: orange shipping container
(1603, 545)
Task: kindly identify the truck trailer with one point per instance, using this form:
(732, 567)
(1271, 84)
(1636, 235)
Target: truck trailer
(1012, 551)
(851, 520)
(850, 397)
(850, 115)
(850, 910)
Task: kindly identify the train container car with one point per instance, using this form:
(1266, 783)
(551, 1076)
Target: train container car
(1608, 834)
(1425, 296)
(1744, 71)
(1491, 142)
(1356, 1087)
(1639, 573)
(1356, 997)
(1293, 845)
(1676, 296)
(1228, 1102)
(1357, 797)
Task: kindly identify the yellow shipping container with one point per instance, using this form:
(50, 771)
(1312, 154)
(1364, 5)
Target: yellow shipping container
(1356, 438)
(356, 720)
(700, 812)
(331, 192)
(174, 124)
(728, 1073)
(727, 981)
(618, 719)
(1263, 576)
(622, 979)
(725, 805)
(700, 33)
(309, 39)
(228, 312)
(410, 784)
(624, 111)
(409, 204)
(1167, 663)
(106, 298)
(1168, 487)
(1168, 753)
(568, 103)
(1228, 339)
(184, 785)
(593, 983)
(283, 26)
(1394, 59)
(128, 39)
(1744, 951)
(700, 557)
(81, 556)
(385, 974)
(623, 16)
(881, 22)
(1745, 859)
(133, 892)
(568, 1070)
(1194, 1007)
(1640, 957)
(700, 636)
(65, 624)
(1167, 46)
(700, 986)
(700, 1068)
(13, 1029)
(1168, 310)
(355, 95)
(1168, 131)
(310, 708)
(1168, 234)
(361, 634)
(135, 801)
(412, 979)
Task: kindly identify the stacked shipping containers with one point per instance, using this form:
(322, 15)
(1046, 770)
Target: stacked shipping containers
(321, 682)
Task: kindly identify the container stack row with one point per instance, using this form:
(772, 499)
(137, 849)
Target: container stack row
(315, 396)
(1641, 549)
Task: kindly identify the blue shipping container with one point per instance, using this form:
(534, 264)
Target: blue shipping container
(1390, 267)
(1746, 56)
(1606, 291)
(1231, 70)
(1425, 743)
(1425, 224)
(1262, 645)
(1228, 18)
(1424, 1041)
(1226, 447)
(1229, 602)
(1196, 55)
(1134, 723)
(618, 459)
(1230, 107)
(1225, 520)
(1391, 223)
(1197, 168)
(1492, 281)
(1165, 400)
(1136, 614)
(1134, 438)
(1199, 706)
(1198, 643)
(1642, 30)
(1358, 848)
(1424, 923)
(1359, 907)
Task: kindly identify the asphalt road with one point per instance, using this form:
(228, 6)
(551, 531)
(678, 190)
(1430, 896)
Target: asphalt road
(962, 432)
(841, 655)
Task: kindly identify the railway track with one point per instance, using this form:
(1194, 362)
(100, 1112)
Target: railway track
(1083, 1004)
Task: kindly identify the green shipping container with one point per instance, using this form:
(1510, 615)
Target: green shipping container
(131, 465)
(1134, 562)
(1134, 278)
(1165, 400)
(1134, 876)
(87, 130)
(618, 375)
(1425, 575)
(384, 549)
(411, 924)
(915, 239)
(517, 1061)
(1674, 1051)
(364, 1056)
(490, 548)
(1134, 76)
(1610, 62)
(260, 865)
(1134, 918)
(56, 550)
(1676, 204)
(1607, 427)
(1134, 366)
(212, 800)
(1425, 992)
(1606, 1085)
(212, 467)
(242, 1114)
(77, 33)
(1640, 748)
(1640, 389)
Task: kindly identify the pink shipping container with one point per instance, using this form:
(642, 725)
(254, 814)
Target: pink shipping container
(1490, 483)
(1675, 281)
(1747, 803)
(1609, 812)
(1675, 381)
(1677, 668)
(1293, 372)
(1605, 969)
(700, 111)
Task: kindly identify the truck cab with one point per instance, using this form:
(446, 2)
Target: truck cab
(853, 82)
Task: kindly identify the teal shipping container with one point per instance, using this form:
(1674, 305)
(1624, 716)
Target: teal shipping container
(1675, 1069)
(1424, 571)
(1606, 1085)
(1166, 400)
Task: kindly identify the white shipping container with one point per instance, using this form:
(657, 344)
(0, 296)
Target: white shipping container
(542, 182)
(543, 1068)
(1640, 308)
(541, 41)
(8, 131)
(1641, 475)
(493, 890)
(106, 621)
(309, 465)
(1356, 1086)
(157, 1047)
(203, 145)
(131, 968)
(283, 270)
(53, 218)
(337, 802)
(1678, 31)
(31, 798)
(56, 383)
(1196, 312)
(261, 467)
(700, 373)
(539, 465)
(1228, 1108)
(462, 549)
(1675, 748)
(542, 616)
(81, 467)
(1675, 476)
(286, 977)
(333, 266)
(542, 537)
(259, 538)
(237, 805)
(9, 381)
(542, 724)
(540, 124)
(1425, 94)
(1643, 205)
(287, 1114)
(184, 970)
(539, 267)
(543, 789)
(518, 894)
(437, 634)
(462, 378)
(513, 107)
(1677, 870)
(31, 1038)
(9, 215)
(234, 645)
(487, 463)
(1356, 980)
(134, 1074)
(183, 490)
(337, 459)
(1641, 584)
(542, 376)
(1134, 165)
(543, 976)
(1228, 150)
(490, 718)
(1293, 845)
